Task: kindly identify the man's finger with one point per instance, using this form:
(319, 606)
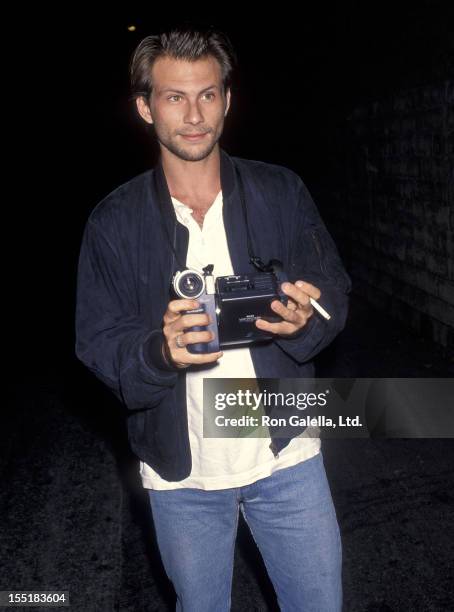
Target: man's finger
(176, 306)
(298, 294)
(194, 337)
(183, 356)
(291, 304)
(283, 327)
(190, 320)
(311, 290)
(293, 316)
(206, 357)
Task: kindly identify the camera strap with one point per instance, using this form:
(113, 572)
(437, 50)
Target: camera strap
(255, 261)
(164, 196)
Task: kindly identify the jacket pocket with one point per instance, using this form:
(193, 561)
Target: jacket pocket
(309, 257)
(329, 261)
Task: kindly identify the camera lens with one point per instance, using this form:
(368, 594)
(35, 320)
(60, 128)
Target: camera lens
(189, 284)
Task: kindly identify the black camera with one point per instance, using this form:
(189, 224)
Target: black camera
(233, 303)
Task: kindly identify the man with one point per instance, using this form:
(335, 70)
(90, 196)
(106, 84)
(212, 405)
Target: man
(190, 211)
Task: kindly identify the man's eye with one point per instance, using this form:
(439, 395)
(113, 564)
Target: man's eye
(172, 97)
(210, 94)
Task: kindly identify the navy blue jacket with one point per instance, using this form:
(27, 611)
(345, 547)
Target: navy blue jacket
(125, 268)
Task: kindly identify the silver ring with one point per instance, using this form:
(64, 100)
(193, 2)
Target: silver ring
(178, 341)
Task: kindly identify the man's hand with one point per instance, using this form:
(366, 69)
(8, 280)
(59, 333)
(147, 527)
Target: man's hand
(176, 340)
(296, 313)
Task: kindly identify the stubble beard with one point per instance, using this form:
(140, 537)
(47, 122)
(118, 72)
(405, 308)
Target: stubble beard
(187, 154)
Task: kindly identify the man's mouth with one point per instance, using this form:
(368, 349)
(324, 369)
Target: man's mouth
(194, 137)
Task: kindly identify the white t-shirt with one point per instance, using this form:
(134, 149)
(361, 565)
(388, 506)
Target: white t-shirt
(221, 463)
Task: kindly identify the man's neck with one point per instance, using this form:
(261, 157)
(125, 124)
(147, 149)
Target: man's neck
(192, 182)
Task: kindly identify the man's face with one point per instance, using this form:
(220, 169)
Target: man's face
(187, 99)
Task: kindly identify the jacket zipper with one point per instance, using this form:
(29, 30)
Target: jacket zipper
(174, 246)
(274, 449)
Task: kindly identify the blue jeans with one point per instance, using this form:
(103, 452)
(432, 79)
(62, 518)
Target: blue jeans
(292, 520)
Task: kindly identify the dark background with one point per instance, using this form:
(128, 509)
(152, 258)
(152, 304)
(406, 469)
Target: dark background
(75, 514)
(77, 135)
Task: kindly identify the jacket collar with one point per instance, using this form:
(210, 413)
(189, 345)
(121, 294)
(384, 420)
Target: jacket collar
(228, 184)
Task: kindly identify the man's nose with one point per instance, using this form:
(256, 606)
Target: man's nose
(194, 114)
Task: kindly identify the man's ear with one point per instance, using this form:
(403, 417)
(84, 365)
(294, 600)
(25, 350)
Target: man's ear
(228, 102)
(143, 109)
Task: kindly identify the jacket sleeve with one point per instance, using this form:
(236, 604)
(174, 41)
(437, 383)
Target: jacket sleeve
(112, 340)
(314, 258)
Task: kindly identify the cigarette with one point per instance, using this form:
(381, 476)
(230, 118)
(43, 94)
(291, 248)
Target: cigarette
(320, 309)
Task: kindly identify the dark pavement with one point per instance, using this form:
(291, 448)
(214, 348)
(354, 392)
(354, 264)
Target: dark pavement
(74, 515)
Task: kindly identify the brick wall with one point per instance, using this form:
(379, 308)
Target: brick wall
(395, 209)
